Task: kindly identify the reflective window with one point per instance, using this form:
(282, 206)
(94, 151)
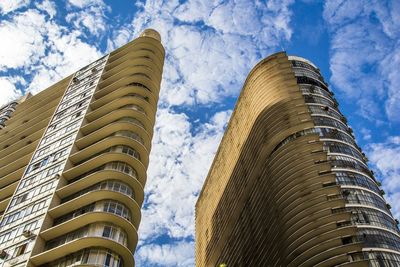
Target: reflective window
(336, 147)
(122, 167)
(106, 230)
(325, 121)
(379, 238)
(348, 163)
(312, 89)
(325, 110)
(356, 196)
(330, 133)
(374, 217)
(134, 107)
(131, 135)
(350, 178)
(110, 206)
(132, 120)
(117, 208)
(319, 100)
(113, 185)
(91, 256)
(311, 81)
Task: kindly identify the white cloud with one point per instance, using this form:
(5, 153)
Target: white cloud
(7, 6)
(92, 18)
(85, 3)
(40, 46)
(179, 163)
(366, 54)
(48, 7)
(384, 157)
(67, 53)
(180, 254)
(211, 46)
(366, 134)
(22, 40)
(8, 90)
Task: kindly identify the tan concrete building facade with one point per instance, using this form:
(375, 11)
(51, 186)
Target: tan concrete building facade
(289, 186)
(73, 162)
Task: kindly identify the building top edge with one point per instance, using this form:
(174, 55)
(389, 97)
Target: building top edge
(273, 56)
(151, 33)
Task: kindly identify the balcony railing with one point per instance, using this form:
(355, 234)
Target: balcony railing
(111, 185)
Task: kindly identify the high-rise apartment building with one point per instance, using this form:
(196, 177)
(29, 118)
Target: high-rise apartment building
(289, 186)
(73, 162)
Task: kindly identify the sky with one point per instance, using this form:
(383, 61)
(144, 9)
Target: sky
(211, 46)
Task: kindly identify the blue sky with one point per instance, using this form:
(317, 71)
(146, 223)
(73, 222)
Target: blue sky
(211, 46)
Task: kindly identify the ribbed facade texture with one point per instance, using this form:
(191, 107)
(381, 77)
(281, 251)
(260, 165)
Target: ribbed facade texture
(73, 162)
(289, 186)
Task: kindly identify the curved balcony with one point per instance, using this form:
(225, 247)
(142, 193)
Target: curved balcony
(129, 89)
(331, 252)
(100, 176)
(326, 120)
(142, 106)
(127, 115)
(112, 129)
(127, 207)
(344, 178)
(15, 165)
(130, 135)
(372, 216)
(128, 70)
(143, 48)
(123, 149)
(311, 81)
(374, 258)
(143, 54)
(335, 134)
(98, 229)
(92, 217)
(124, 81)
(322, 109)
(315, 90)
(128, 62)
(304, 229)
(344, 163)
(361, 196)
(336, 147)
(81, 244)
(110, 144)
(305, 72)
(321, 240)
(120, 205)
(100, 162)
(110, 185)
(99, 257)
(12, 177)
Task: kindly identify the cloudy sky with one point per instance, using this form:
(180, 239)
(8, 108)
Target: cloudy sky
(211, 46)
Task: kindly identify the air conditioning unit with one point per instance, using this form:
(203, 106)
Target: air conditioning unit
(27, 233)
(3, 254)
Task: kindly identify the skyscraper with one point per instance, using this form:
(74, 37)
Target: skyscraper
(73, 162)
(289, 186)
